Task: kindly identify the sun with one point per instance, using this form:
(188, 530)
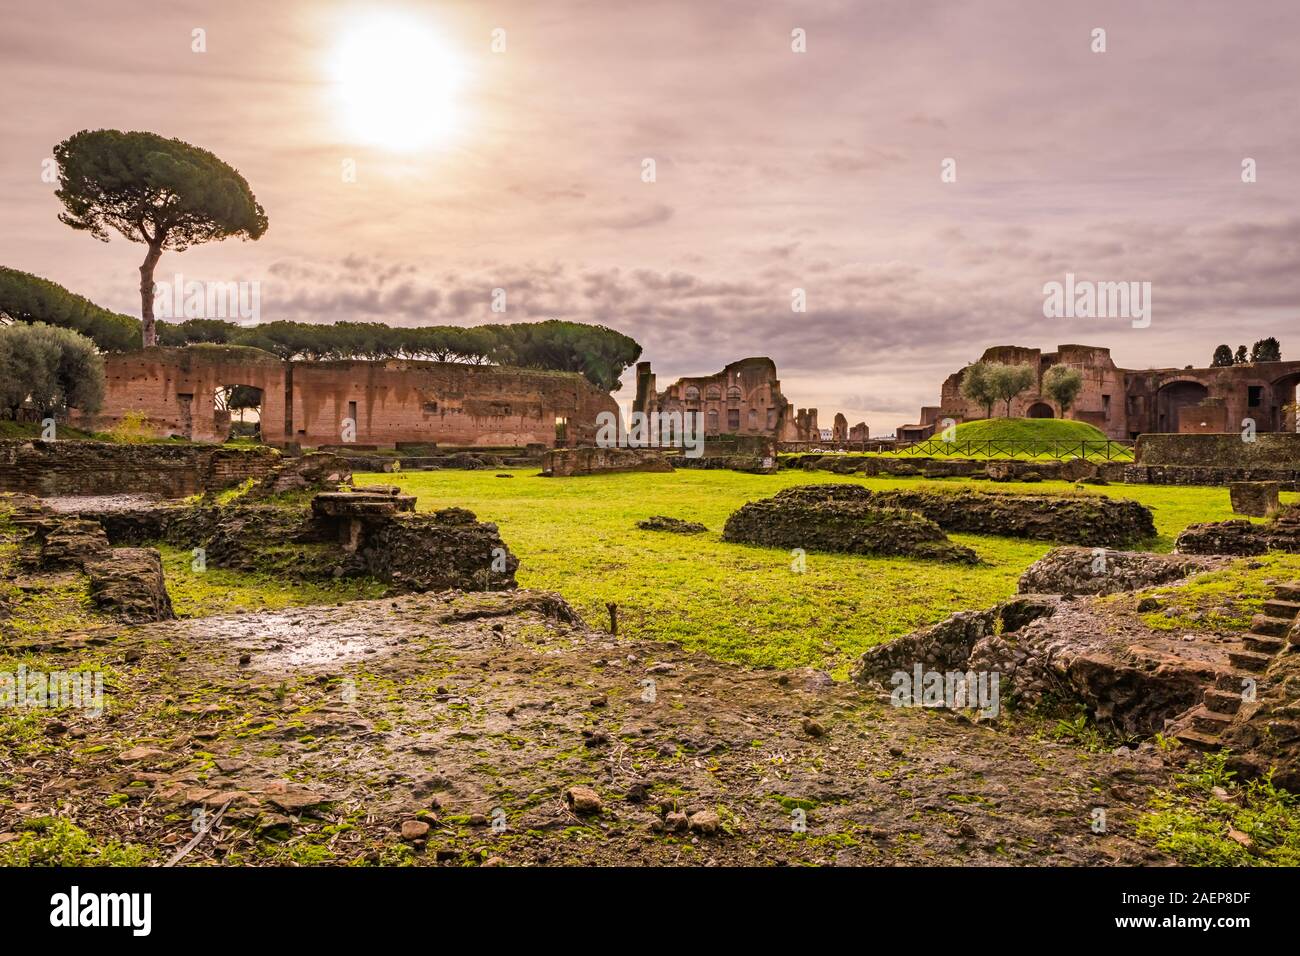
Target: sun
(396, 82)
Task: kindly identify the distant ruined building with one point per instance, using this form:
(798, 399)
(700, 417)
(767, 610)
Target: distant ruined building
(1125, 403)
(743, 399)
(178, 392)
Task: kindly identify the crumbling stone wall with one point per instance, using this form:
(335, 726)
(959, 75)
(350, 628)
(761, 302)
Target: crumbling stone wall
(168, 469)
(390, 401)
(1126, 403)
(1072, 571)
(568, 462)
(743, 399)
(1241, 536)
(1093, 520)
(124, 582)
(842, 518)
(364, 533)
(1275, 450)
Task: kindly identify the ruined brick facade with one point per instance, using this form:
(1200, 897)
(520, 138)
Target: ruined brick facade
(743, 399)
(391, 401)
(1125, 403)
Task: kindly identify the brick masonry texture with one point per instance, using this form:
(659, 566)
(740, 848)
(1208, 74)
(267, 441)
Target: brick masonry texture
(1125, 403)
(170, 470)
(391, 401)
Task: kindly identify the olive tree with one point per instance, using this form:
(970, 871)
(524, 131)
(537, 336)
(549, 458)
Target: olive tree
(1008, 381)
(977, 387)
(162, 192)
(55, 369)
(1062, 385)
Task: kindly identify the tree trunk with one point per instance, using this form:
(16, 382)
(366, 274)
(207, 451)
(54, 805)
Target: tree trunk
(150, 335)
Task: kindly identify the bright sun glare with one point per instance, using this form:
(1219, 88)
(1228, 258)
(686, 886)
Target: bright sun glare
(397, 82)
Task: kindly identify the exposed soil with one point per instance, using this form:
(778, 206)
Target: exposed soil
(414, 728)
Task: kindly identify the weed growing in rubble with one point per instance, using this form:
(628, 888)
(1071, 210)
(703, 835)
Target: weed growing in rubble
(1209, 819)
(54, 841)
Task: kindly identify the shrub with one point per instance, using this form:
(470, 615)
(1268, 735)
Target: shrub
(133, 428)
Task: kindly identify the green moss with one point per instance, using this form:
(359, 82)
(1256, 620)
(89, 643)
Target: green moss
(1223, 600)
(59, 842)
(221, 591)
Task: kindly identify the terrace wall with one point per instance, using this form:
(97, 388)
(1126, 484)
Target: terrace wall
(170, 470)
(391, 401)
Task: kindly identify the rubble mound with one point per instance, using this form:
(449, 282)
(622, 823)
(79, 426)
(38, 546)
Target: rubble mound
(675, 525)
(318, 471)
(371, 531)
(841, 518)
(1092, 520)
(1074, 571)
(129, 584)
(1241, 536)
(1045, 648)
(568, 462)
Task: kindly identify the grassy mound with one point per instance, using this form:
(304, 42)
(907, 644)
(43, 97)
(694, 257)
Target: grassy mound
(1028, 430)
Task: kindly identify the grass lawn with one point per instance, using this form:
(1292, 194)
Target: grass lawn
(578, 536)
(1028, 430)
(1024, 439)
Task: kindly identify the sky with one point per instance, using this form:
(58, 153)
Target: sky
(408, 169)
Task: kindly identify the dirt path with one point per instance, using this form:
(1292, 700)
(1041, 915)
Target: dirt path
(475, 715)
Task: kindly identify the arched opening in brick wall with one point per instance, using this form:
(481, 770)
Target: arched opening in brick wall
(1176, 400)
(1285, 401)
(1040, 410)
(237, 411)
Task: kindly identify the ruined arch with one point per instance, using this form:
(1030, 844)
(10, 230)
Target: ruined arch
(1039, 410)
(1285, 398)
(1174, 400)
(237, 410)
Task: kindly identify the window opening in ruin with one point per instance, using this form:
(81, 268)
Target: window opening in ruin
(1255, 395)
(237, 412)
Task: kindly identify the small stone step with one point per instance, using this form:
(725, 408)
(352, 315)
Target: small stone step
(1287, 592)
(1209, 721)
(1263, 644)
(1250, 660)
(1224, 701)
(1197, 740)
(1234, 681)
(1283, 609)
(1272, 626)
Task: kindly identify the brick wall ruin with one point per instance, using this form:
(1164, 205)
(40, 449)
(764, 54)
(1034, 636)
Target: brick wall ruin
(1125, 403)
(169, 470)
(743, 399)
(390, 401)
